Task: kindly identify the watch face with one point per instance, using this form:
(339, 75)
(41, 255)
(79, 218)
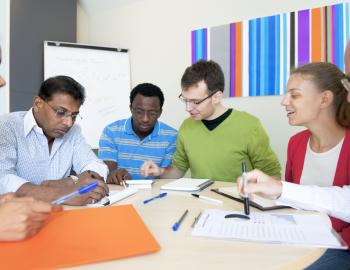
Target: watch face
(75, 179)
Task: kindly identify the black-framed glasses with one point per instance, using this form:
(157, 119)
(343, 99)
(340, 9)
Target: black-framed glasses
(195, 101)
(346, 83)
(63, 114)
(151, 113)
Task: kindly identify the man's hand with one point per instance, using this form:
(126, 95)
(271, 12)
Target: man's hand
(261, 184)
(149, 168)
(94, 196)
(118, 176)
(6, 197)
(23, 217)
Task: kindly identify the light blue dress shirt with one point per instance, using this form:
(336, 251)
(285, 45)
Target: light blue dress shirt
(25, 156)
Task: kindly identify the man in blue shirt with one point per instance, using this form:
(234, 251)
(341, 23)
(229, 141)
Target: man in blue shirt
(126, 144)
(39, 148)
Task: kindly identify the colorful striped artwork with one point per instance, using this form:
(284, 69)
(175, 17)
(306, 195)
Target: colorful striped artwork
(257, 55)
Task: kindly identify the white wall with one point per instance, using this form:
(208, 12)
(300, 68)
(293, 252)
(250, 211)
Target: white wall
(4, 42)
(157, 32)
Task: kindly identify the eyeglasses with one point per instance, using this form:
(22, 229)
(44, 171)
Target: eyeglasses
(346, 83)
(151, 114)
(63, 114)
(195, 101)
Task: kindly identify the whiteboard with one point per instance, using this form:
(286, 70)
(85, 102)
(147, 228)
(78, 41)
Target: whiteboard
(105, 74)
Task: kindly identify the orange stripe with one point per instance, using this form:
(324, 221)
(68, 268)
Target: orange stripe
(316, 35)
(238, 64)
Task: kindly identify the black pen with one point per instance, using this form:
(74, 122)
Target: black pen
(245, 183)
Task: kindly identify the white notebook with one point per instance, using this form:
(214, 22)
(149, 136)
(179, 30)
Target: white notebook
(114, 196)
(187, 184)
(140, 184)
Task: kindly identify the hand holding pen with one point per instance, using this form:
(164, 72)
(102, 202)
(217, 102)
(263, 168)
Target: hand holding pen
(80, 191)
(97, 194)
(245, 183)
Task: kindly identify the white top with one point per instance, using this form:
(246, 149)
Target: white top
(319, 168)
(335, 201)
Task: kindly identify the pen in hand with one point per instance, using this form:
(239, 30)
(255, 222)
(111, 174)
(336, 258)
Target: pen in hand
(82, 190)
(245, 183)
(178, 223)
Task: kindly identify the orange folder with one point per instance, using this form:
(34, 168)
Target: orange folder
(81, 236)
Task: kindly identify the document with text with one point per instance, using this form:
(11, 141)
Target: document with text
(299, 229)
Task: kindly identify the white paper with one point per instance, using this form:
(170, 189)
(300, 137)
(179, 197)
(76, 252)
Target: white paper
(306, 230)
(140, 184)
(115, 196)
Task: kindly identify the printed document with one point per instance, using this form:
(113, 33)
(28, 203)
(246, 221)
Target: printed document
(305, 230)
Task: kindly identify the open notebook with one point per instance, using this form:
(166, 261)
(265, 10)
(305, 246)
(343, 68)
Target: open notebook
(255, 201)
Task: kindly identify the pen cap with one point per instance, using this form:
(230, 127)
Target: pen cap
(244, 166)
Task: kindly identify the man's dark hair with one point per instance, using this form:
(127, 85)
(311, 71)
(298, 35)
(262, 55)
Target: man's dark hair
(62, 85)
(147, 90)
(208, 71)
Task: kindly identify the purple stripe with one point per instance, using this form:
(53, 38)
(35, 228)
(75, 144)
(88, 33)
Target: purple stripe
(193, 41)
(333, 35)
(303, 37)
(233, 59)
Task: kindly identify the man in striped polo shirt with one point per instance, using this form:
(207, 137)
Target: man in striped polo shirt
(126, 144)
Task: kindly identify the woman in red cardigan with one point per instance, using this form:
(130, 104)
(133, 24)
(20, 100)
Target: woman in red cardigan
(318, 157)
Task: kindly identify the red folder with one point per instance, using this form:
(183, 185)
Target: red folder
(81, 236)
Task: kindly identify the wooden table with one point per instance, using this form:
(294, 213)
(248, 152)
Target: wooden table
(181, 251)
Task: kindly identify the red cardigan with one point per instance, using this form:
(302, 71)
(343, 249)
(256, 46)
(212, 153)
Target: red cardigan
(295, 163)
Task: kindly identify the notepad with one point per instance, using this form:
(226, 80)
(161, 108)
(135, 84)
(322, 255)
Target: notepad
(255, 201)
(140, 184)
(82, 236)
(115, 196)
(187, 184)
(274, 228)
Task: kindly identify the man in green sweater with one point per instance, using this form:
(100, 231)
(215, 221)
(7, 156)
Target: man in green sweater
(215, 140)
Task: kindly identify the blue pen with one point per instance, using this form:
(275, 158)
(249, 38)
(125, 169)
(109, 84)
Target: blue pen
(161, 195)
(178, 223)
(84, 189)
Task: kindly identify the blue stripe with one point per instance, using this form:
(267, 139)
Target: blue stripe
(339, 36)
(252, 57)
(263, 57)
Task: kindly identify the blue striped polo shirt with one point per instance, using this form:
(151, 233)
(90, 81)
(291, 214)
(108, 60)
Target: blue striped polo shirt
(120, 143)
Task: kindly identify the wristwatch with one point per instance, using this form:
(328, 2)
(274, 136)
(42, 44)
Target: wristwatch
(74, 178)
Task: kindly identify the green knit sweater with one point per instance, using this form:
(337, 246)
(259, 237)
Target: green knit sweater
(218, 154)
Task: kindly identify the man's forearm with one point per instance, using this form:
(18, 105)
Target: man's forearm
(46, 193)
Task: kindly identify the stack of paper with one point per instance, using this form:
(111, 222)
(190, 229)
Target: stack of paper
(305, 230)
(188, 184)
(140, 184)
